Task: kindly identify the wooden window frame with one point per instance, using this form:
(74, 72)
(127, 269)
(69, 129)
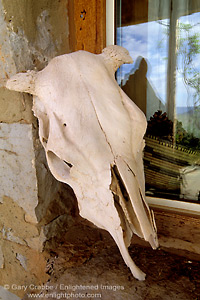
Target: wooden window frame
(176, 206)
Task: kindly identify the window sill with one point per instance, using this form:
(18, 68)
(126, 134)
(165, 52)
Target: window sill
(180, 207)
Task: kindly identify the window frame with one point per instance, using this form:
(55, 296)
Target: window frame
(172, 205)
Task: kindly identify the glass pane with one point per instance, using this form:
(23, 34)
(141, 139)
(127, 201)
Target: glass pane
(163, 38)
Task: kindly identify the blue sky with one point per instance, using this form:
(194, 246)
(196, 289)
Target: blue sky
(149, 40)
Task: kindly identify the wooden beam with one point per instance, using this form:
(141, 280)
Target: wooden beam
(87, 20)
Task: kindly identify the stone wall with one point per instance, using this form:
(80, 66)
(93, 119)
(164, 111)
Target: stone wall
(32, 202)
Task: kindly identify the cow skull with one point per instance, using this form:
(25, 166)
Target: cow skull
(92, 134)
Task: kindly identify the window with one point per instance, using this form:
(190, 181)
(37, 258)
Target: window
(163, 39)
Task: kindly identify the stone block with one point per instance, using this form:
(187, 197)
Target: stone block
(18, 177)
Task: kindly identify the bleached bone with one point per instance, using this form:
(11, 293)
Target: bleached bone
(92, 134)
